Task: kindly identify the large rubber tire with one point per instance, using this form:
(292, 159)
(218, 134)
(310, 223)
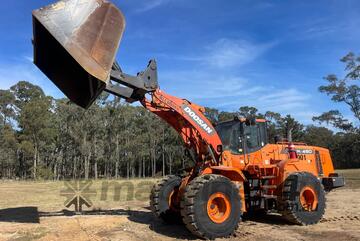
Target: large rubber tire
(194, 206)
(159, 199)
(291, 207)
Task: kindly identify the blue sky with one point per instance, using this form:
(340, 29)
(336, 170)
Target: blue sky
(224, 54)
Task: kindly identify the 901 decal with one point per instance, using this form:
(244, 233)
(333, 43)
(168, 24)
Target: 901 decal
(302, 157)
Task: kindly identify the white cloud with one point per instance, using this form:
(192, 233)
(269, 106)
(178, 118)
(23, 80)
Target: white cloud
(305, 116)
(284, 96)
(13, 72)
(230, 53)
(227, 53)
(201, 84)
(151, 4)
(269, 98)
(10, 74)
(228, 92)
(318, 28)
(284, 100)
(29, 58)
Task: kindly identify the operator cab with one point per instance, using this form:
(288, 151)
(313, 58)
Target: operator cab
(242, 136)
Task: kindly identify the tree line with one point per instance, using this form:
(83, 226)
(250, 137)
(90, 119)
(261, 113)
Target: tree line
(43, 137)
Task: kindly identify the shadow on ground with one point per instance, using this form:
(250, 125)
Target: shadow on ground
(32, 215)
(20, 215)
(274, 219)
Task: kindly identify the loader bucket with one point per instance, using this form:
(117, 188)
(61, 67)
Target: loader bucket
(75, 43)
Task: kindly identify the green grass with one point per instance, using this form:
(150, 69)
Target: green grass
(352, 178)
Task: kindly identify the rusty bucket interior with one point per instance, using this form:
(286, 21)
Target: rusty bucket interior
(75, 43)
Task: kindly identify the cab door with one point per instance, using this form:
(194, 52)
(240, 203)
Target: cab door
(254, 138)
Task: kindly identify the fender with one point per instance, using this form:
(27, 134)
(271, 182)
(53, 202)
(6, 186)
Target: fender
(233, 174)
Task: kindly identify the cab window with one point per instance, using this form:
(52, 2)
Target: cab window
(252, 136)
(230, 136)
(255, 136)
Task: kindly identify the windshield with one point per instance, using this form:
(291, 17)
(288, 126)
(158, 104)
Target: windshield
(229, 133)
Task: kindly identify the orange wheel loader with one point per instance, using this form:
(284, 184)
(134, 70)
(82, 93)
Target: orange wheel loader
(236, 169)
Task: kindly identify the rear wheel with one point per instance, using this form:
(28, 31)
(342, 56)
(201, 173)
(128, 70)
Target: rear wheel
(211, 207)
(162, 199)
(303, 199)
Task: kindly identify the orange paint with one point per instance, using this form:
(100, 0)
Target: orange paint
(271, 162)
(218, 207)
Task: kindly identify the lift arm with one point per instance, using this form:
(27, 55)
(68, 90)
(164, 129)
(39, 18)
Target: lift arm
(185, 117)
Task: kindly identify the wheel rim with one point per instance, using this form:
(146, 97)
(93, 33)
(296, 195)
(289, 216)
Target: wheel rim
(218, 207)
(308, 199)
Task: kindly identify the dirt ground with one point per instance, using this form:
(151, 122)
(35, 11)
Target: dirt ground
(35, 211)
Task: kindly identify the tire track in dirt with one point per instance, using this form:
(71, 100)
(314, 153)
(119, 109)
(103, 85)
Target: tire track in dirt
(352, 218)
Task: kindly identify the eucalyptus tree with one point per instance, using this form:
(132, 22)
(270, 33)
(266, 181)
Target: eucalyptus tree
(344, 90)
(34, 118)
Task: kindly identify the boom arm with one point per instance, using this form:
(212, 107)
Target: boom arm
(189, 121)
(186, 118)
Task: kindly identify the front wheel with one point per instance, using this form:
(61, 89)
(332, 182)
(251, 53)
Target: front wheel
(211, 207)
(162, 199)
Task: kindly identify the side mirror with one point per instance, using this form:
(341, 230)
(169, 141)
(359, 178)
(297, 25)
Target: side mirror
(219, 148)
